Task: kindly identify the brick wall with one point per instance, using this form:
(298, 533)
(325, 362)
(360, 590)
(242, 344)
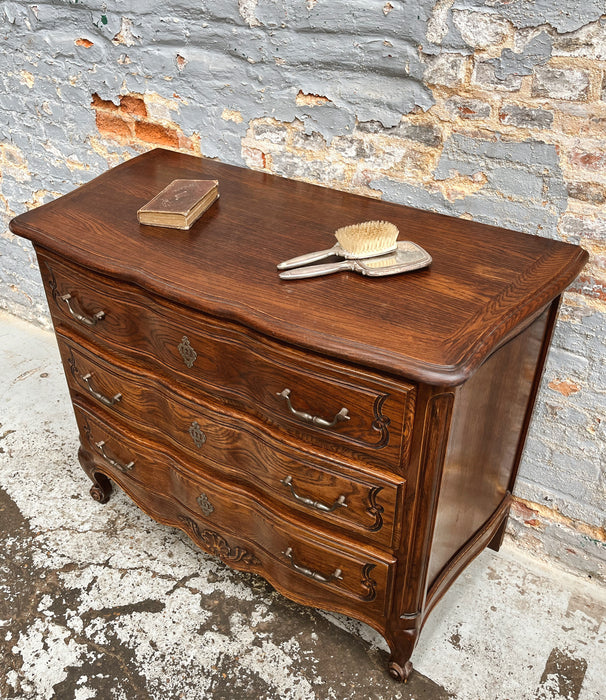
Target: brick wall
(485, 109)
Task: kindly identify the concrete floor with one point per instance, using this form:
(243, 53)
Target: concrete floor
(102, 602)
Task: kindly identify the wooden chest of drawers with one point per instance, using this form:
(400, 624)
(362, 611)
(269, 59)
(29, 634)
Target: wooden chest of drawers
(353, 441)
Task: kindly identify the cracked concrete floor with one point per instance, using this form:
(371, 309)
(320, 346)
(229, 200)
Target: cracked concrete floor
(102, 602)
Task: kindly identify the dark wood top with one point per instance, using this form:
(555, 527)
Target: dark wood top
(434, 325)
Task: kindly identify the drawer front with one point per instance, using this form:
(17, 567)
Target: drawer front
(324, 489)
(304, 564)
(326, 404)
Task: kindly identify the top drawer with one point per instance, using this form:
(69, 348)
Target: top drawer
(321, 402)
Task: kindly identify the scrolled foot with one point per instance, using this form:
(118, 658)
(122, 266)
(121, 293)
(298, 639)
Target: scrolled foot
(100, 494)
(102, 486)
(400, 673)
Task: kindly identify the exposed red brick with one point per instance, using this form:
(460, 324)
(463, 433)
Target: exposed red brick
(467, 108)
(186, 144)
(98, 103)
(156, 133)
(564, 387)
(591, 192)
(594, 160)
(522, 511)
(589, 287)
(133, 105)
(254, 156)
(84, 42)
(113, 126)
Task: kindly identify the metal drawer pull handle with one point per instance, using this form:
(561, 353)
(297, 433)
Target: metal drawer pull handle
(343, 414)
(340, 502)
(86, 320)
(337, 573)
(100, 397)
(113, 462)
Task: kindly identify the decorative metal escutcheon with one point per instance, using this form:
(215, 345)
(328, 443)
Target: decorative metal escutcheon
(205, 505)
(186, 351)
(197, 435)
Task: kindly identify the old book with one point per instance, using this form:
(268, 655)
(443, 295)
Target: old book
(179, 204)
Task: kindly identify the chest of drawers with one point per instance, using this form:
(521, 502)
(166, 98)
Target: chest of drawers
(353, 441)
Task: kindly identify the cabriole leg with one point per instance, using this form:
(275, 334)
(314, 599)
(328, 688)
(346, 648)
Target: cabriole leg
(401, 642)
(101, 489)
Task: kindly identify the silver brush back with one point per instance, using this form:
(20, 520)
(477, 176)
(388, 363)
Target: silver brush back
(356, 242)
(407, 256)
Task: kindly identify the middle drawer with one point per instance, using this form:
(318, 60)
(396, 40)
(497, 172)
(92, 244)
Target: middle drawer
(326, 489)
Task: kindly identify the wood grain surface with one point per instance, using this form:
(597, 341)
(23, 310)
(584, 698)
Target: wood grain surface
(160, 485)
(246, 370)
(237, 449)
(435, 325)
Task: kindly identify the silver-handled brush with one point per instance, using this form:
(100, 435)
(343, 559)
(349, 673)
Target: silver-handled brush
(408, 256)
(356, 242)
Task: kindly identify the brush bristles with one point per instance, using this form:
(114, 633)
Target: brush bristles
(368, 238)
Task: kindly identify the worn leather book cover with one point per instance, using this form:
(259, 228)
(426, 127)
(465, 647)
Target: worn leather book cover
(179, 204)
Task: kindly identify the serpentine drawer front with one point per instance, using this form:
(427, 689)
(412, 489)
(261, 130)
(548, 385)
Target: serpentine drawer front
(320, 402)
(333, 492)
(288, 555)
(355, 441)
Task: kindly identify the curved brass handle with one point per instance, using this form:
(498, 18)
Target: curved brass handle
(310, 573)
(340, 502)
(100, 397)
(343, 414)
(86, 320)
(121, 467)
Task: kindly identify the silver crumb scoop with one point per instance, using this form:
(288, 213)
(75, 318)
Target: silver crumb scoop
(408, 256)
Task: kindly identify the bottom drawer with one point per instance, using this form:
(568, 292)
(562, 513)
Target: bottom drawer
(244, 532)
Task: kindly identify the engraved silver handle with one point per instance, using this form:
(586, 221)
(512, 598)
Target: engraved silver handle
(340, 502)
(310, 573)
(309, 258)
(343, 414)
(121, 467)
(86, 320)
(100, 397)
(318, 270)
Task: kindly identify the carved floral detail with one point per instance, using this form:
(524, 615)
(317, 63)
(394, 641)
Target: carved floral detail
(381, 422)
(374, 509)
(217, 545)
(73, 367)
(87, 431)
(368, 583)
(52, 282)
